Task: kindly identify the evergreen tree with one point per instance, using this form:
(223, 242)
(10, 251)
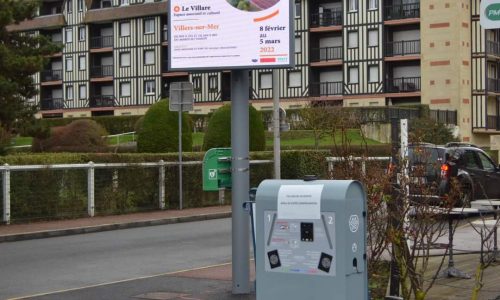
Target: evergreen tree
(21, 56)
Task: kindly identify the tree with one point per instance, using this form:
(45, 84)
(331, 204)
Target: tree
(219, 130)
(160, 130)
(318, 120)
(429, 131)
(21, 56)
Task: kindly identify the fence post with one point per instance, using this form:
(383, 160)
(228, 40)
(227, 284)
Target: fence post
(6, 194)
(161, 184)
(91, 189)
(363, 167)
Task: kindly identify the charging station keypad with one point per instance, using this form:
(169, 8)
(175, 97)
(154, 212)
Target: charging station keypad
(300, 246)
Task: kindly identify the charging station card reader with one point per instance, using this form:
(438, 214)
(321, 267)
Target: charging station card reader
(310, 240)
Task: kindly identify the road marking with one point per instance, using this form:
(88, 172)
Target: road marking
(120, 281)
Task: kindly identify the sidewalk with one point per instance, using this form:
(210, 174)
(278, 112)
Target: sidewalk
(18, 232)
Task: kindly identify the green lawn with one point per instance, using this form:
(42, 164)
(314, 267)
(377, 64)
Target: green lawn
(114, 140)
(22, 141)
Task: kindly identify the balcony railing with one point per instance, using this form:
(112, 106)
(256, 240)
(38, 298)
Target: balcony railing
(494, 85)
(101, 71)
(493, 122)
(402, 11)
(331, 18)
(51, 75)
(447, 117)
(102, 101)
(52, 103)
(403, 85)
(97, 42)
(318, 89)
(493, 47)
(401, 48)
(326, 54)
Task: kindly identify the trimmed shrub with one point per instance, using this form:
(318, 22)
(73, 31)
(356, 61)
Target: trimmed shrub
(159, 132)
(79, 136)
(219, 130)
(429, 131)
(112, 124)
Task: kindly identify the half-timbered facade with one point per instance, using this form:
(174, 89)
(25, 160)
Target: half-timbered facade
(347, 53)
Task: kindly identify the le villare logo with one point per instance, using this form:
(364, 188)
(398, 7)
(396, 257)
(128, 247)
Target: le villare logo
(177, 8)
(193, 8)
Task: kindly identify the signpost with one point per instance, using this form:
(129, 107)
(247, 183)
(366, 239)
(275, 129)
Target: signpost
(181, 99)
(238, 36)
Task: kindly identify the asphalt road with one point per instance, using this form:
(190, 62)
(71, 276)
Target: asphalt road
(53, 264)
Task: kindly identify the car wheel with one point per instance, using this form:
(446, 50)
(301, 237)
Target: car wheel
(466, 195)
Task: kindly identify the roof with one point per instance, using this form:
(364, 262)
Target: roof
(42, 22)
(124, 12)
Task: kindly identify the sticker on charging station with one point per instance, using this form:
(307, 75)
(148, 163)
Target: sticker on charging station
(299, 202)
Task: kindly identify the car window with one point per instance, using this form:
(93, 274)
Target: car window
(423, 155)
(486, 162)
(470, 160)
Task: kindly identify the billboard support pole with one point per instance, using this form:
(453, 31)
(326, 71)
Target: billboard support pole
(240, 87)
(276, 124)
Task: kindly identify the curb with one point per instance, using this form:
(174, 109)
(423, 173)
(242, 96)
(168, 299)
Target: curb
(109, 227)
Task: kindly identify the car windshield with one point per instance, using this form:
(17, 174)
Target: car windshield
(425, 155)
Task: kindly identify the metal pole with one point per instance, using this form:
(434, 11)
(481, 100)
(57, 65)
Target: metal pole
(90, 190)
(241, 181)
(6, 194)
(393, 208)
(276, 123)
(180, 153)
(222, 192)
(161, 185)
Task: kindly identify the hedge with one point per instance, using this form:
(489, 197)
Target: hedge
(55, 194)
(112, 124)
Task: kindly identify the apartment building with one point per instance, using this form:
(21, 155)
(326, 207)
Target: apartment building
(351, 53)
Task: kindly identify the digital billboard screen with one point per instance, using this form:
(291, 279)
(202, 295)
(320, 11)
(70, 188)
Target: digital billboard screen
(230, 34)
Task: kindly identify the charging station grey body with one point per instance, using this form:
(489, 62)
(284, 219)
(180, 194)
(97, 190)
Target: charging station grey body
(311, 240)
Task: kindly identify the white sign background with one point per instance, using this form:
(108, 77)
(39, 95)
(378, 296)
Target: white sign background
(299, 202)
(212, 34)
(485, 22)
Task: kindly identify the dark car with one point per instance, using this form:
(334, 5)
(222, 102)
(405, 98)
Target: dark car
(476, 173)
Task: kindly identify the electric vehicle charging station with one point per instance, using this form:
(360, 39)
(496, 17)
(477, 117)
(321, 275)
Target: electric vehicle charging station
(311, 240)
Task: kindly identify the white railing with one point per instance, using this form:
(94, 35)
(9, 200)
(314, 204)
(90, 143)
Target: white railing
(351, 159)
(6, 171)
(120, 135)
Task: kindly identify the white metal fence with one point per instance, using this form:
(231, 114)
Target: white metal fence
(90, 169)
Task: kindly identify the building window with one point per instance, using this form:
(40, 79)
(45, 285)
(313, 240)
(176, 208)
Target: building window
(373, 74)
(69, 35)
(298, 9)
(69, 64)
(372, 4)
(372, 38)
(125, 89)
(69, 6)
(213, 84)
(196, 84)
(353, 5)
(82, 91)
(124, 29)
(352, 39)
(125, 59)
(81, 33)
(80, 5)
(149, 57)
(124, 2)
(353, 75)
(294, 79)
(266, 81)
(81, 63)
(106, 3)
(149, 26)
(298, 45)
(149, 87)
(69, 92)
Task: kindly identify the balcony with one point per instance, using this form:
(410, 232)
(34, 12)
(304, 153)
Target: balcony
(321, 89)
(493, 85)
(102, 101)
(52, 104)
(326, 54)
(98, 42)
(51, 75)
(402, 48)
(493, 122)
(493, 48)
(101, 71)
(403, 85)
(402, 11)
(325, 19)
